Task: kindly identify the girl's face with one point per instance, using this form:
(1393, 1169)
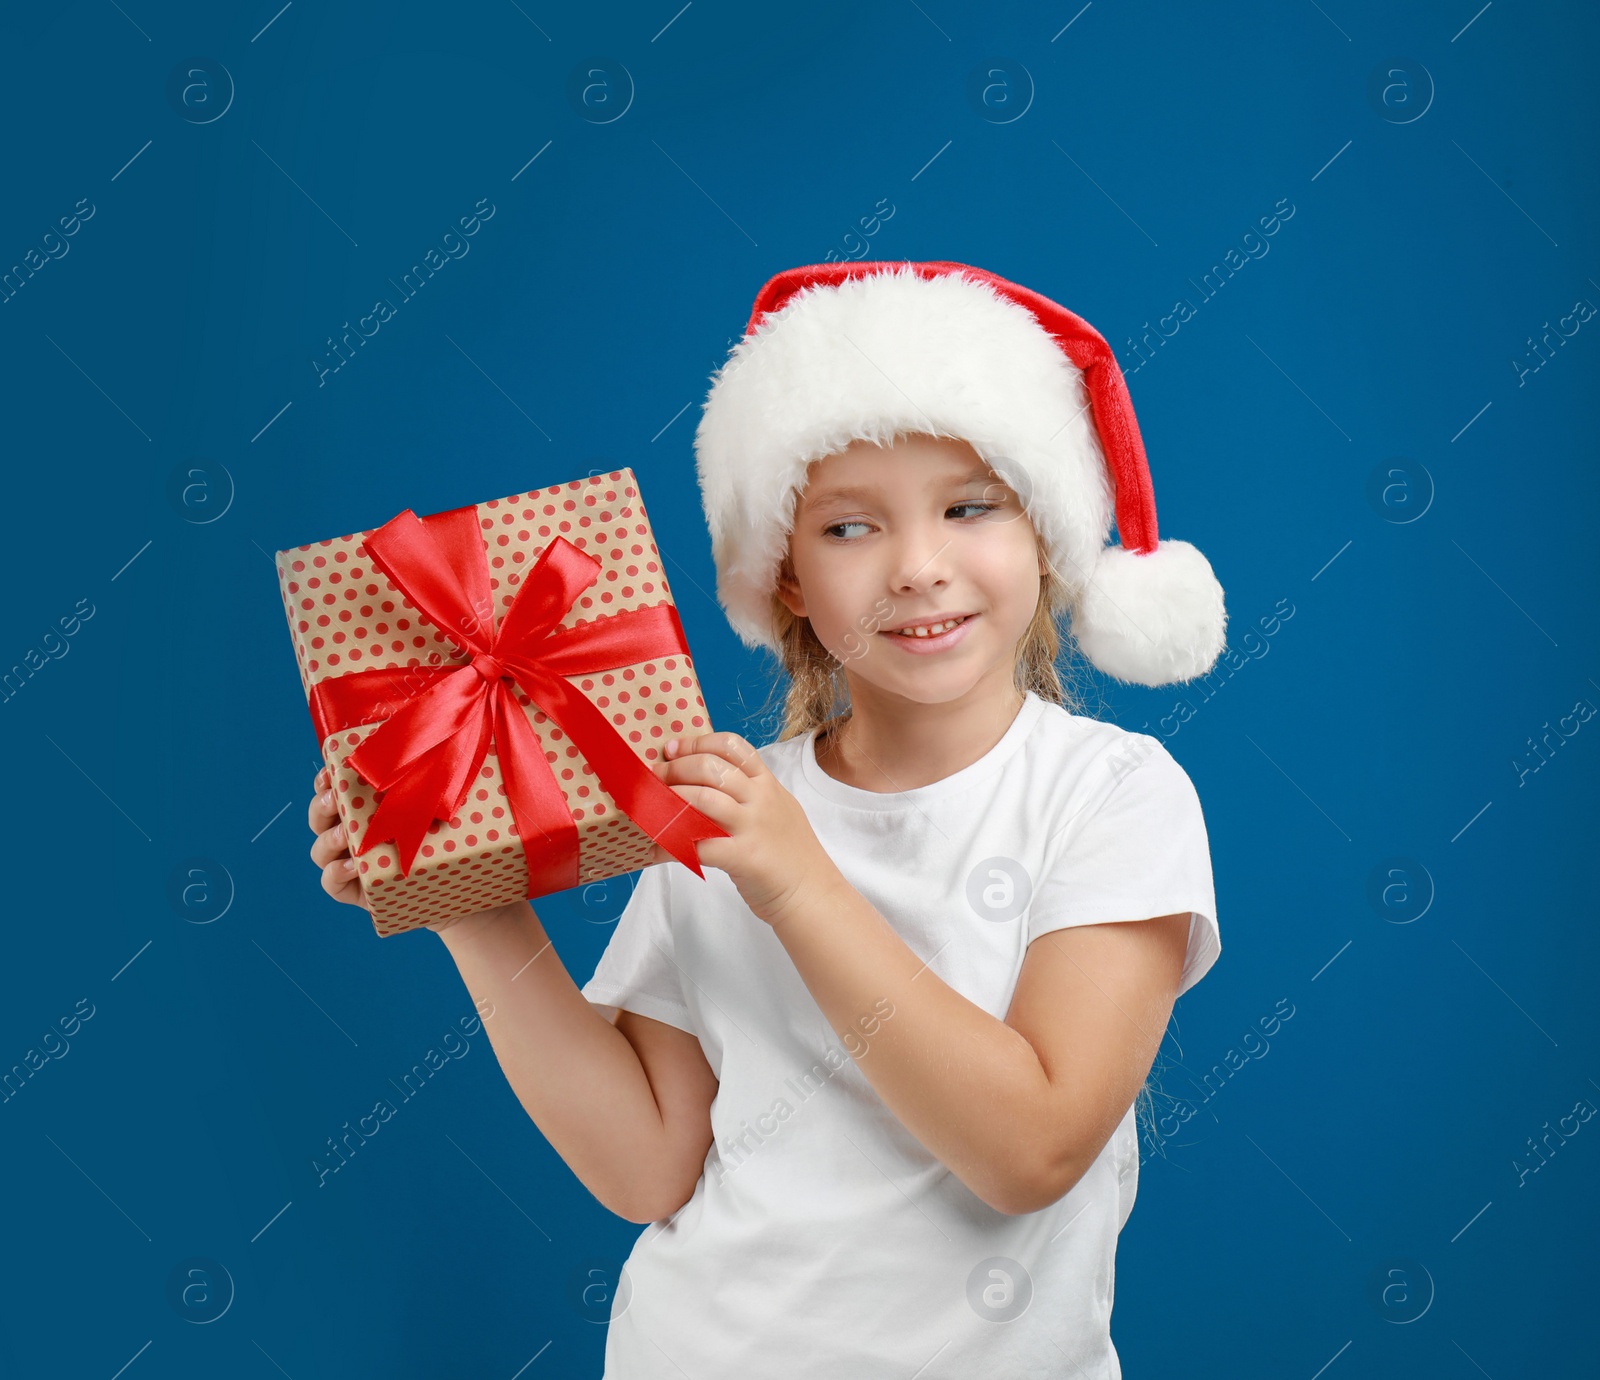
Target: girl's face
(921, 532)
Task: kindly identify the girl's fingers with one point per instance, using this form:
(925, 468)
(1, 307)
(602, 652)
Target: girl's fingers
(330, 845)
(706, 769)
(342, 885)
(729, 747)
(714, 804)
(322, 811)
(335, 878)
(330, 850)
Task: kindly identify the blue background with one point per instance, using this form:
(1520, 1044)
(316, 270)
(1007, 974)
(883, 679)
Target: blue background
(1343, 428)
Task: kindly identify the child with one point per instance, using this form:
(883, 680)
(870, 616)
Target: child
(872, 1080)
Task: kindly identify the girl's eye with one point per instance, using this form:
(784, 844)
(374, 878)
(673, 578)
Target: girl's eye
(838, 526)
(980, 507)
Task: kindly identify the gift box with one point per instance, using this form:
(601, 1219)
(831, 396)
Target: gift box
(489, 686)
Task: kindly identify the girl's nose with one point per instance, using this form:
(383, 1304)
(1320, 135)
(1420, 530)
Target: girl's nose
(920, 561)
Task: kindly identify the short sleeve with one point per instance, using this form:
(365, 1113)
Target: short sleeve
(1134, 848)
(637, 972)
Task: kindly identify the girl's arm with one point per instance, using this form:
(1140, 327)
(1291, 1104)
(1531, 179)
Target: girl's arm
(627, 1106)
(1017, 1109)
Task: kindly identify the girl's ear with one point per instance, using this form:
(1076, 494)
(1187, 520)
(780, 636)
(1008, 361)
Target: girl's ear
(790, 594)
(788, 590)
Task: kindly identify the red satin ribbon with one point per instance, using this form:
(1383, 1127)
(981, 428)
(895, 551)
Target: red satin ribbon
(438, 721)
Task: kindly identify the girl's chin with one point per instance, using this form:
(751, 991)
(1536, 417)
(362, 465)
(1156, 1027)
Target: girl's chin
(922, 690)
(918, 679)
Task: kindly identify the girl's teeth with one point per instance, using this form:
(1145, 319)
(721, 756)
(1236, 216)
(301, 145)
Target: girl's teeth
(931, 631)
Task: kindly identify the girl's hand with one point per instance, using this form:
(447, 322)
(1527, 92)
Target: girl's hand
(771, 853)
(331, 852)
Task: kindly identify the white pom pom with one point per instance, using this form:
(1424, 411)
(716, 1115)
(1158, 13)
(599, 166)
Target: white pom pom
(1153, 619)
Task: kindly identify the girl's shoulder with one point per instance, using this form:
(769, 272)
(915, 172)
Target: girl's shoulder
(1080, 752)
(1058, 727)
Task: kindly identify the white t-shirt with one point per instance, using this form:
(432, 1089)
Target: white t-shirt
(823, 1239)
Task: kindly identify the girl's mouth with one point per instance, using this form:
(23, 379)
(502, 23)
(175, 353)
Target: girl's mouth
(924, 643)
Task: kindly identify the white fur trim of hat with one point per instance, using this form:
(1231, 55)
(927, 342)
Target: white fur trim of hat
(872, 351)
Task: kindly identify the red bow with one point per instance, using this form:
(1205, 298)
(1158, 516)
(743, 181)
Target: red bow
(438, 721)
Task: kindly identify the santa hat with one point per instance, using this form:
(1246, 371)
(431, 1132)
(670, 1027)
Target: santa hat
(872, 351)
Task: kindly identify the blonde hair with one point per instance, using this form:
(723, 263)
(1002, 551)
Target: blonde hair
(818, 695)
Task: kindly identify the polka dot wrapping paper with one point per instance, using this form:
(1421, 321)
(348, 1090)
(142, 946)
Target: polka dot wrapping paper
(346, 616)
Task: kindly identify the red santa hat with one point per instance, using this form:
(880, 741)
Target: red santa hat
(873, 351)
